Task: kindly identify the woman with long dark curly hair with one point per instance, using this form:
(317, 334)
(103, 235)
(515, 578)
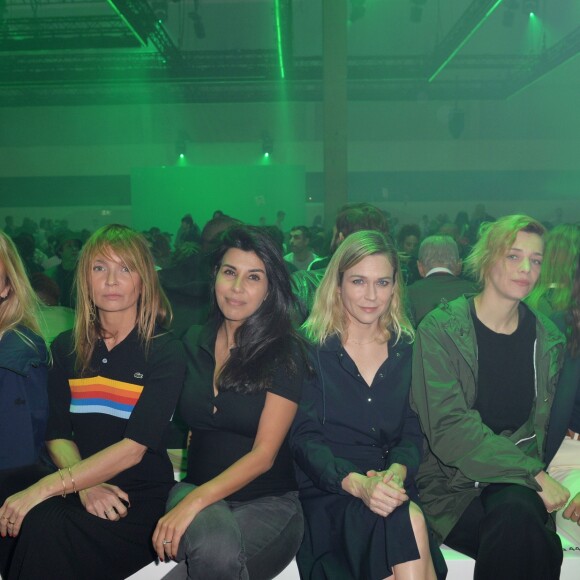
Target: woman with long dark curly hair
(237, 513)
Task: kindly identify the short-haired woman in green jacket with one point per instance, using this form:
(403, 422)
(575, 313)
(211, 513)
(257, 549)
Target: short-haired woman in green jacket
(484, 375)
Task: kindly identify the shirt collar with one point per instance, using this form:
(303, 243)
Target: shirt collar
(438, 270)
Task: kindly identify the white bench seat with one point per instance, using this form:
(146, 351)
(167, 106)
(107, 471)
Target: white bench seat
(460, 566)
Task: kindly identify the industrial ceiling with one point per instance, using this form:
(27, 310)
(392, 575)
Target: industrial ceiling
(58, 52)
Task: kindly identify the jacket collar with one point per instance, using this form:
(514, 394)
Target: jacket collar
(459, 326)
(20, 350)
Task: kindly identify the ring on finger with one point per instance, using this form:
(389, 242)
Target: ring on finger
(166, 542)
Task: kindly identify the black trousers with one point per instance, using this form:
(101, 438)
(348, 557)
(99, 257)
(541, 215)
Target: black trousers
(506, 531)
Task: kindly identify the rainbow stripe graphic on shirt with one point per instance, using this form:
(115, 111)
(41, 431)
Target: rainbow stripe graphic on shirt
(101, 395)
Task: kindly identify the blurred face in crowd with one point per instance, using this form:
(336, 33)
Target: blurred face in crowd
(298, 241)
(410, 244)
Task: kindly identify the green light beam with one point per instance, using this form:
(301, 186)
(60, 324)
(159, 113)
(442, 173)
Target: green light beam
(464, 41)
(140, 38)
(279, 40)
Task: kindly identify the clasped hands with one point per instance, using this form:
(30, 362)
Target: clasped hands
(381, 491)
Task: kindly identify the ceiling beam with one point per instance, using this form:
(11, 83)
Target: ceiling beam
(139, 17)
(29, 34)
(461, 32)
(564, 50)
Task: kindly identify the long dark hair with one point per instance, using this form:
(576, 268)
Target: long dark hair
(267, 339)
(573, 314)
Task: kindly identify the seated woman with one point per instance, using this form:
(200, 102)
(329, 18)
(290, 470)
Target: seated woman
(237, 513)
(563, 439)
(355, 440)
(553, 292)
(113, 387)
(23, 366)
(484, 376)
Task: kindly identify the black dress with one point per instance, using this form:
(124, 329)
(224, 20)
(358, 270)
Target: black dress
(345, 426)
(131, 394)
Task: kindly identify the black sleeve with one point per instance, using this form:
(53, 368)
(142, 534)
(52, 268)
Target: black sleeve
(163, 381)
(308, 444)
(287, 382)
(409, 451)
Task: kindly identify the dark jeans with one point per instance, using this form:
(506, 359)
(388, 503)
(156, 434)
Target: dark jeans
(505, 531)
(238, 540)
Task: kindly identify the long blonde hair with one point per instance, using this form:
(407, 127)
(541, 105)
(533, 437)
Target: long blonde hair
(328, 315)
(21, 306)
(152, 307)
(558, 268)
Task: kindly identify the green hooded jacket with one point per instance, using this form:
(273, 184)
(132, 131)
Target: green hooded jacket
(463, 454)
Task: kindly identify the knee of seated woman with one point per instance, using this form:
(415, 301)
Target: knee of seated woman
(417, 517)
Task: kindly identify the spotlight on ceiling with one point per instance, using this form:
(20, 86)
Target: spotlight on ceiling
(530, 7)
(267, 144)
(417, 10)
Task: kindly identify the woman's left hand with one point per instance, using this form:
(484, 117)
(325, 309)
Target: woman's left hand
(572, 511)
(170, 528)
(397, 473)
(15, 508)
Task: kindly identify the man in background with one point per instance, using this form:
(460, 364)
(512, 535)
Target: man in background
(439, 267)
(301, 256)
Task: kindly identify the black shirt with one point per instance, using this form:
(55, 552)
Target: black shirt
(128, 394)
(506, 377)
(219, 439)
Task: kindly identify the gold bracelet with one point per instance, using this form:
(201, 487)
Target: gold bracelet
(72, 479)
(63, 483)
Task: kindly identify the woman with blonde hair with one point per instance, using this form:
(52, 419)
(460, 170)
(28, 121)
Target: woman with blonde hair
(112, 390)
(553, 292)
(23, 366)
(563, 438)
(484, 377)
(355, 440)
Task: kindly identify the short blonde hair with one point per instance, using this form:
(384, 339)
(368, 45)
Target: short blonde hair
(152, 307)
(21, 306)
(328, 315)
(495, 239)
